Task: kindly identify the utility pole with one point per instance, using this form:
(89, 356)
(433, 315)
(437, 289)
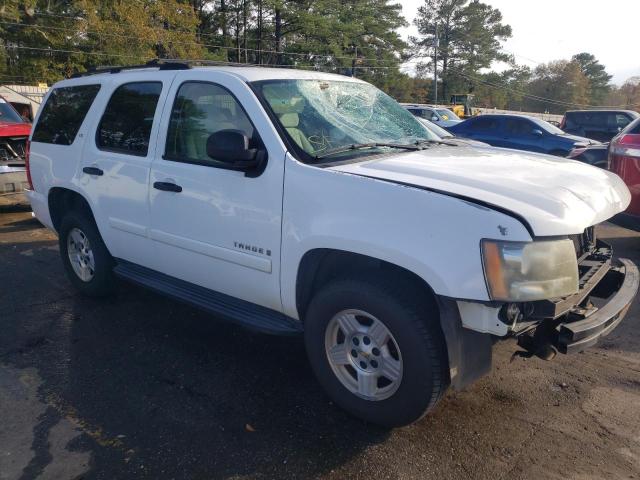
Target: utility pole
(353, 63)
(436, 44)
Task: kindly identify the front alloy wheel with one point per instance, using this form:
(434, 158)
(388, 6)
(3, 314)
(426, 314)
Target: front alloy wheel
(363, 355)
(376, 346)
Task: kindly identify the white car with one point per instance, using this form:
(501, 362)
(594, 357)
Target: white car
(293, 201)
(441, 116)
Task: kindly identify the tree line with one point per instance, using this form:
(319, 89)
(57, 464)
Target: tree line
(45, 40)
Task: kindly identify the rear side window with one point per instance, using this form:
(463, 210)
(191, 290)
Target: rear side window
(126, 124)
(63, 114)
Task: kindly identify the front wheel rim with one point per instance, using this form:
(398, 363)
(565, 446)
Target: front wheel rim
(80, 255)
(363, 355)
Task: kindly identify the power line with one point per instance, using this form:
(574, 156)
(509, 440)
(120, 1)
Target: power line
(138, 58)
(222, 47)
(308, 57)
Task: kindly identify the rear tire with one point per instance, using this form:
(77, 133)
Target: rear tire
(404, 338)
(87, 262)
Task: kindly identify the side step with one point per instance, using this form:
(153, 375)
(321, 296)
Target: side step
(249, 315)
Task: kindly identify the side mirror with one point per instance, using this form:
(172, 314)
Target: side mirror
(537, 132)
(434, 118)
(232, 147)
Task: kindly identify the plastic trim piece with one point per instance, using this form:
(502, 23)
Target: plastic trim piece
(249, 315)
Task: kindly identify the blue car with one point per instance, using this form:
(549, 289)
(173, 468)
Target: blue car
(521, 133)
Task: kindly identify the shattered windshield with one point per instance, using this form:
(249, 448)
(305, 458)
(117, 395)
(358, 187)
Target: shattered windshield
(327, 116)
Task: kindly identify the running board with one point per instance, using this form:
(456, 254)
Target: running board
(254, 317)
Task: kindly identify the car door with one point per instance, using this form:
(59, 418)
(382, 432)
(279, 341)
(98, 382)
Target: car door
(485, 128)
(117, 157)
(222, 230)
(523, 134)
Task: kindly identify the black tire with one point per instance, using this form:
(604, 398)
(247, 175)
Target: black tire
(103, 282)
(412, 319)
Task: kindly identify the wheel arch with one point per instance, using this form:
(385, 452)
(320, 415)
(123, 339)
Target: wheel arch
(61, 200)
(469, 353)
(321, 265)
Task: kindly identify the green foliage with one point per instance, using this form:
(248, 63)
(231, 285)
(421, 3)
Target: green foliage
(45, 40)
(596, 74)
(470, 35)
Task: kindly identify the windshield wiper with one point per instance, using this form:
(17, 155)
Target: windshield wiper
(360, 146)
(430, 142)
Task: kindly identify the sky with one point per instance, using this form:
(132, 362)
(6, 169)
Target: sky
(545, 30)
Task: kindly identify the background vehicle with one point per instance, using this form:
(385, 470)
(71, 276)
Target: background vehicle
(173, 177)
(624, 160)
(521, 133)
(439, 115)
(14, 132)
(601, 125)
(596, 155)
(463, 105)
(448, 136)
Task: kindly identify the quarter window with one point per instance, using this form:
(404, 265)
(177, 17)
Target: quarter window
(126, 124)
(63, 114)
(201, 109)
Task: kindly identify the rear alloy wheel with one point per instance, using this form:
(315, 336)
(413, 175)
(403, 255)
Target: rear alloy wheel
(80, 254)
(86, 260)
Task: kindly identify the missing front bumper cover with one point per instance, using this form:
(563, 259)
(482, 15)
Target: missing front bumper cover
(594, 312)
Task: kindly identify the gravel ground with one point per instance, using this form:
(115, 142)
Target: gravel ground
(139, 386)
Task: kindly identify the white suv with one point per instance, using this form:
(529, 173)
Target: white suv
(296, 201)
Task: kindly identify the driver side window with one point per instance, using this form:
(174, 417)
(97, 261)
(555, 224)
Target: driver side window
(201, 109)
(126, 124)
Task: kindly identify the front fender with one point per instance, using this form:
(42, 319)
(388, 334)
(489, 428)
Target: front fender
(433, 235)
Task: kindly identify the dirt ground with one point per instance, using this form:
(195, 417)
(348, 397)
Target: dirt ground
(139, 386)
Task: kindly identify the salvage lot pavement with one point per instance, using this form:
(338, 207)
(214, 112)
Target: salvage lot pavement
(139, 386)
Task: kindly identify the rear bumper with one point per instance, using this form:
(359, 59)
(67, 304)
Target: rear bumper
(40, 207)
(13, 180)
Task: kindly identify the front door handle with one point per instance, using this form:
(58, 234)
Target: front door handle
(93, 171)
(167, 187)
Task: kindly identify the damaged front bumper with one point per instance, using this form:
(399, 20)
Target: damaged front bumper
(574, 323)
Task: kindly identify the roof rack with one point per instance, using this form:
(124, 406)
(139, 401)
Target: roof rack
(161, 64)
(156, 63)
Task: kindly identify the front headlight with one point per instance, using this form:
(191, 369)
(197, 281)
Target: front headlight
(526, 271)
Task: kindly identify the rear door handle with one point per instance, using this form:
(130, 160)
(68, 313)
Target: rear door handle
(167, 187)
(93, 171)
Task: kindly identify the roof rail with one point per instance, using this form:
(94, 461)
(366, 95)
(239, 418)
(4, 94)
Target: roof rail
(156, 63)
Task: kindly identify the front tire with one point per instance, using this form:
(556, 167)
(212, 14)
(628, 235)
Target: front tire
(87, 262)
(377, 349)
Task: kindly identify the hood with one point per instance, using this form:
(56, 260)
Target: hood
(464, 141)
(8, 129)
(577, 139)
(555, 196)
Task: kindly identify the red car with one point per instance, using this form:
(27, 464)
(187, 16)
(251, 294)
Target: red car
(14, 132)
(624, 160)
